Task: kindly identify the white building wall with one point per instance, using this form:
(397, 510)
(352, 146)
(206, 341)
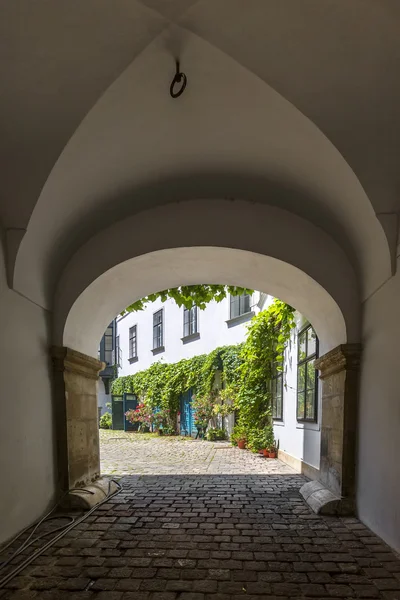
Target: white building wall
(212, 326)
(378, 465)
(299, 440)
(27, 458)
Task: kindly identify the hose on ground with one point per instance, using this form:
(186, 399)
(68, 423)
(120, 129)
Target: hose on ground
(64, 529)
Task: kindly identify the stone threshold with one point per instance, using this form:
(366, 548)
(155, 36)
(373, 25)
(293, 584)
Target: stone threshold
(89, 495)
(323, 502)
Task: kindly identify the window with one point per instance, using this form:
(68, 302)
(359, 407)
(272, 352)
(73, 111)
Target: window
(189, 321)
(307, 379)
(108, 345)
(118, 353)
(133, 342)
(277, 393)
(240, 305)
(158, 334)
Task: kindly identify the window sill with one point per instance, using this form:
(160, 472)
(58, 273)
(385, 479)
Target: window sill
(278, 422)
(190, 338)
(158, 350)
(312, 425)
(240, 319)
(133, 359)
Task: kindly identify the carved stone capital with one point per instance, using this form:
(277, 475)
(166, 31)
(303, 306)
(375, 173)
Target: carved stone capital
(66, 359)
(345, 357)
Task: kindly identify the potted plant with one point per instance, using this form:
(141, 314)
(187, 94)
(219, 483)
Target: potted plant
(239, 436)
(273, 450)
(256, 440)
(268, 441)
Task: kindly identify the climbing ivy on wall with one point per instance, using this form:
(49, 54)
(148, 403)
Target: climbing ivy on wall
(190, 295)
(262, 351)
(162, 384)
(246, 371)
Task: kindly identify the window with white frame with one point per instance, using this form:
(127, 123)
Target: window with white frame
(190, 321)
(133, 342)
(240, 305)
(158, 333)
(307, 377)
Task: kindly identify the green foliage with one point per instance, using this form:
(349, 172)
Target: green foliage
(106, 421)
(260, 439)
(203, 407)
(221, 409)
(239, 432)
(215, 434)
(257, 439)
(161, 385)
(147, 417)
(190, 295)
(246, 370)
(263, 349)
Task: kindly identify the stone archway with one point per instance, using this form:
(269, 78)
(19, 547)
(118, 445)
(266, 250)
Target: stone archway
(170, 267)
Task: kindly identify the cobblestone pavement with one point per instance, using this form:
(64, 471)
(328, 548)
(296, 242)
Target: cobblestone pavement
(211, 537)
(130, 453)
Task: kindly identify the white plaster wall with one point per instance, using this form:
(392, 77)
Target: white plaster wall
(237, 138)
(212, 327)
(26, 423)
(301, 440)
(308, 273)
(378, 465)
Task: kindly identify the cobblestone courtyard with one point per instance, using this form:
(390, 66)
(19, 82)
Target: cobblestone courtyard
(208, 536)
(130, 454)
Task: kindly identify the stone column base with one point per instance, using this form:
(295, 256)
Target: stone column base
(90, 495)
(334, 492)
(75, 379)
(323, 502)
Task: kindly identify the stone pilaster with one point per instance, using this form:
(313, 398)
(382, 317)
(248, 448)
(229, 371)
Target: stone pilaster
(75, 377)
(335, 490)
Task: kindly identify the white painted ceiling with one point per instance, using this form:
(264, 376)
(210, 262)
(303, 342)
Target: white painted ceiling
(289, 102)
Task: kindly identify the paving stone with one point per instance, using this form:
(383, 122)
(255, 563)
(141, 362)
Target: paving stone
(253, 536)
(340, 591)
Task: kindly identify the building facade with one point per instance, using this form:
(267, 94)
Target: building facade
(169, 333)
(164, 331)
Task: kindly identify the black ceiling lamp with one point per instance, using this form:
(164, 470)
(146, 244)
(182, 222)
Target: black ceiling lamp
(178, 80)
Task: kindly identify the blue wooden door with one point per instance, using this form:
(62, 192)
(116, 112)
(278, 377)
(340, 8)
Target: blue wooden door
(187, 421)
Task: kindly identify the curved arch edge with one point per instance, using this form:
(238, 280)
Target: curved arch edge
(234, 242)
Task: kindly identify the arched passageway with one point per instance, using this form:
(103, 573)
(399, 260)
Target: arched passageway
(260, 248)
(278, 115)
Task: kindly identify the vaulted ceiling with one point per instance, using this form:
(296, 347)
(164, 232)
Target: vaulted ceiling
(289, 102)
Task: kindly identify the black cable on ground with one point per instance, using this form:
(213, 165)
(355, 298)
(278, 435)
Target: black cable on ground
(63, 531)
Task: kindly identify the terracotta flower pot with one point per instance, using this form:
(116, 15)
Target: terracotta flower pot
(266, 453)
(272, 454)
(242, 444)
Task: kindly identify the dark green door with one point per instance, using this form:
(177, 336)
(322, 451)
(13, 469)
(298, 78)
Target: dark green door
(117, 408)
(130, 402)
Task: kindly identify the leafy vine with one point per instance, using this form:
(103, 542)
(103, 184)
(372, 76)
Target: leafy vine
(190, 295)
(246, 370)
